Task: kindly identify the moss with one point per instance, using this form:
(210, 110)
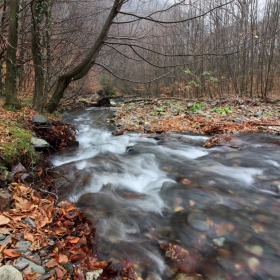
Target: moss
(18, 147)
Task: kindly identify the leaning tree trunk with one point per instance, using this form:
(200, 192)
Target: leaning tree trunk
(86, 64)
(10, 82)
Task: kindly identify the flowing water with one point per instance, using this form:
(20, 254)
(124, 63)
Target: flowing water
(220, 204)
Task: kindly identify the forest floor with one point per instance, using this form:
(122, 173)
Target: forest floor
(39, 230)
(221, 119)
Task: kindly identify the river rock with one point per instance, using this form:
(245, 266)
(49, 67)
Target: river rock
(183, 276)
(29, 221)
(198, 220)
(258, 114)
(19, 168)
(94, 275)
(5, 199)
(238, 120)
(22, 246)
(39, 119)
(73, 143)
(8, 272)
(39, 143)
(35, 268)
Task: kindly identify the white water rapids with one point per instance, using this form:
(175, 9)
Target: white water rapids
(141, 191)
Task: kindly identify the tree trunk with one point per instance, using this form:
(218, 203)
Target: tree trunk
(11, 90)
(86, 64)
(38, 97)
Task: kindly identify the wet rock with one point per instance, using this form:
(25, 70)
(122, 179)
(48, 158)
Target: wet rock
(29, 221)
(69, 267)
(39, 143)
(39, 119)
(73, 143)
(35, 268)
(253, 264)
(8, 272)
(22, 246)
(153, 276)
(219, 241)
(5, 199)
(94, 275)
(183, 276)
(19, 168)
(198, 220)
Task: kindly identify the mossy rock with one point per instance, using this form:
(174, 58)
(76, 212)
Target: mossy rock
(17, 147)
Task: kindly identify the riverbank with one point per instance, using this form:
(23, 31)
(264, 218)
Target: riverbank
(40, 237)
(207, 117)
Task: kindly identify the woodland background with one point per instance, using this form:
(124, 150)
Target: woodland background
(191, 49)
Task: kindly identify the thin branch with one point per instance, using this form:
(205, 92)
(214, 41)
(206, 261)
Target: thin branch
(148, 18)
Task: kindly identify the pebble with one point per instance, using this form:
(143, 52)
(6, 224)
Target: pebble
(8, 272)
(253, 263)
(94, 275)
(34, 266)
(22, 246)
(29, 221)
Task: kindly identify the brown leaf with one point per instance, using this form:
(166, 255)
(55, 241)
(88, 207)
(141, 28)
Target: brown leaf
(28, 236)
(4, 220)
(5, 230)
(32, 276)
(60, 272)
(51, 263)
(11, 253)
(62, 258)
(75, 240)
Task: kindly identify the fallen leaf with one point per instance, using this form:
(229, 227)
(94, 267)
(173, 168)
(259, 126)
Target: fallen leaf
(28, 236)
(4, 220)
(11, 253)
(32, 276)
(52, 263)
(62, 258)
(5, 230)
(60, 272)
(75, 240)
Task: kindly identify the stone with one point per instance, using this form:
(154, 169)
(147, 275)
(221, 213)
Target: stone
(7, 240)
(35, 268)
(8, 272)
(39, 119)
(2, 236)
(19, 168)
(39, 143)
(94, 275)
(258, 114)
(198, 220)
(24, 176)
(36, 259)
(238, 120)
(22, 246)
(29, 221)
(69, 267)
(183, 276)
(5, 199)
(73, 143)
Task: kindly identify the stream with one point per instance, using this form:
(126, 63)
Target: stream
(219, 204)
